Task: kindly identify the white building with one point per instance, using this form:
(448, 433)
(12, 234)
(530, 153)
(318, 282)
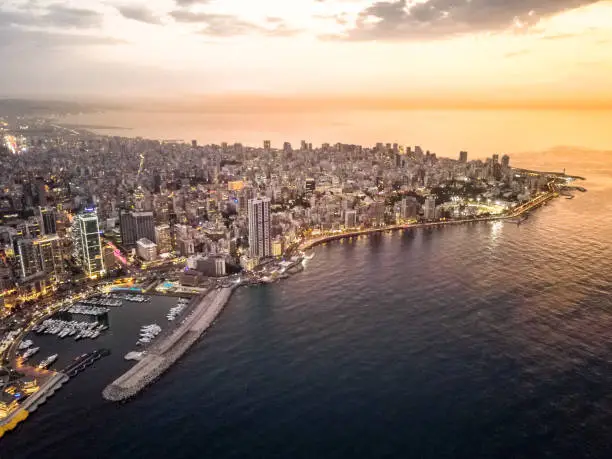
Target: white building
(146, 249)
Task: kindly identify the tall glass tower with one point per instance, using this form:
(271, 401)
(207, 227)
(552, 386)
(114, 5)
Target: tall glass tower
(87, 244)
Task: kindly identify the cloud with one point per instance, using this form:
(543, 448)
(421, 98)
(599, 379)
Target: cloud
(226, 25)
(400, 19)
(186, 3)
(137, 13)
(19, 39)
(54, 15)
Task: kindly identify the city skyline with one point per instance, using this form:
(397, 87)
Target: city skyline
(383, 54)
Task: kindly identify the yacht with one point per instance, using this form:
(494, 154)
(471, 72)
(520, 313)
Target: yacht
(30, 352)
(24, 345)
(48, 361)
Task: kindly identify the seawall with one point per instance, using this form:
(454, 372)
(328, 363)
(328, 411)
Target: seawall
(162, 355)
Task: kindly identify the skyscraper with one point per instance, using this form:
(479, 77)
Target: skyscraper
(52, 260)
(260, 240)
(87, 244)
(505, 161)
(463, 156)
(136, 225)
(48, 218)
(267, 145)
(30, 263)
(429, 209)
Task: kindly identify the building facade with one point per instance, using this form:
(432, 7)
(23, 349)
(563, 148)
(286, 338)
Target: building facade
(260, 239)
(87, 243)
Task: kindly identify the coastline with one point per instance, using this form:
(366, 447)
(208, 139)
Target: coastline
(518, 212)
(164, 354)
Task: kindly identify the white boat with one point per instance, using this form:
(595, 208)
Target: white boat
(30, 352)
(24, 345)
(48, 361)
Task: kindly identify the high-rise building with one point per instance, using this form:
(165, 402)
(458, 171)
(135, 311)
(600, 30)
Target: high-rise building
(376, 212)
(505, 161)
(41, 192)
(350, 219)
(267, 145)
(28, 253)
(87, 243)
(429, 209)
(260, 240)
(136, 225)
(495, 159)
(409, 208)
(463, 156)
(52, 260)
(163, 239)
(287, 147)
(48, 220)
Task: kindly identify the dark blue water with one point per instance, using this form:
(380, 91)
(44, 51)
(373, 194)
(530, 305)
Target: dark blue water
(479, 341)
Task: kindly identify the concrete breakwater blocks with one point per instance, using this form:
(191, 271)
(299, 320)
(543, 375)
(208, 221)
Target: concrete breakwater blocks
(163, 355)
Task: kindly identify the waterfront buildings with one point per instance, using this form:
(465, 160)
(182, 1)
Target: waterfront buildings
(429, 209)
(260, 239)
(350, 219)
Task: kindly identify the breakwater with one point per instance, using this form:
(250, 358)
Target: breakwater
(162, 355)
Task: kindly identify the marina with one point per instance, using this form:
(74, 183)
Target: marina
(160, 356)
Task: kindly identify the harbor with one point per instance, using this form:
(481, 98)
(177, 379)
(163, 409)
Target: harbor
(161, 355)
(49, 353)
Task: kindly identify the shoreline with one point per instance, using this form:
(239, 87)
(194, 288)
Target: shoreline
(163, 355)
(518, 212)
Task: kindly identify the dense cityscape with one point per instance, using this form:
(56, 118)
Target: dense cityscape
(100, 220)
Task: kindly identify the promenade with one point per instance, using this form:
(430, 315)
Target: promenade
(516, 212)
(165, 353)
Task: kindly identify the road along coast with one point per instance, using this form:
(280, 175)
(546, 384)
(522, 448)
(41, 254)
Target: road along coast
(517, 212)
(163, 354)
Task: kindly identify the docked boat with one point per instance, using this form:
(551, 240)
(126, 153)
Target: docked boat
(24, 345)
(30, 352)
(48, 361)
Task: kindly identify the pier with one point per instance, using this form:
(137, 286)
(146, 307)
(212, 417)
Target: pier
(32, 403)
(162, 355)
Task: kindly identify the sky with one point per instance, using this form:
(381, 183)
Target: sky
(464, 52)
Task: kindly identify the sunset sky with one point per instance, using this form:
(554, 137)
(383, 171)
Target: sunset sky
(466, 51)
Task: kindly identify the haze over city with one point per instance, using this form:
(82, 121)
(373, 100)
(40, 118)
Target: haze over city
(389, 54)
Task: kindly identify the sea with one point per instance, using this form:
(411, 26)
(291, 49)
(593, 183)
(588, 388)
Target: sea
(486, 340)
